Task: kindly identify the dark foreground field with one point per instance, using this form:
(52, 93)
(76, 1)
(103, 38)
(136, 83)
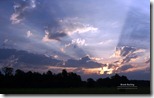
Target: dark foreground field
(67, 83)
(142, 90)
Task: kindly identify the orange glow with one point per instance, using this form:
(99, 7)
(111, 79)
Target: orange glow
(57, 68)
(91, 70)
(103, 70)
(106, 69)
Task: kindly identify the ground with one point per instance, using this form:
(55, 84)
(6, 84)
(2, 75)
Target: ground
(143, 90)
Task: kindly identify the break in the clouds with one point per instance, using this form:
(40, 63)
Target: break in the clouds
(115, 34)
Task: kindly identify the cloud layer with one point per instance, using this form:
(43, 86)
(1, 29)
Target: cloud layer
(66, 27)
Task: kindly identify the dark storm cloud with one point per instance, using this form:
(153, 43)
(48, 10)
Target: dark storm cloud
(129, 57)
(27, 58)
(125, 67)
(111, 65)
(125, 50)
(54, 32)
(56, 35)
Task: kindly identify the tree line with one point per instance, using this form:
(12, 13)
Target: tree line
(21, 79)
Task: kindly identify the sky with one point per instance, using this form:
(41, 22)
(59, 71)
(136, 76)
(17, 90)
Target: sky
(95, 38)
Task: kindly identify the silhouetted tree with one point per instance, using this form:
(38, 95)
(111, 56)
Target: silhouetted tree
(105, 82)
(99, 82)
(19, 72)
(115, 77)
(1, 79)
(64, 73)
(8, 71)
(90, 82)
(1, 74)
(64, 79)
(49, 73)
(124, 79)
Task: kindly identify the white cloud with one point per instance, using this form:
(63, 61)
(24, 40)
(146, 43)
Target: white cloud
(19, 10)
(45, 38)
(33, 3)
(29, 34)
(14, 18)
(72, 25)
(83, 29)
(78, 42)
(96, 58)
(55, 56)
(62, 50)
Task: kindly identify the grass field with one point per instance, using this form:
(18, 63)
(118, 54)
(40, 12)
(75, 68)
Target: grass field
(144, 90)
